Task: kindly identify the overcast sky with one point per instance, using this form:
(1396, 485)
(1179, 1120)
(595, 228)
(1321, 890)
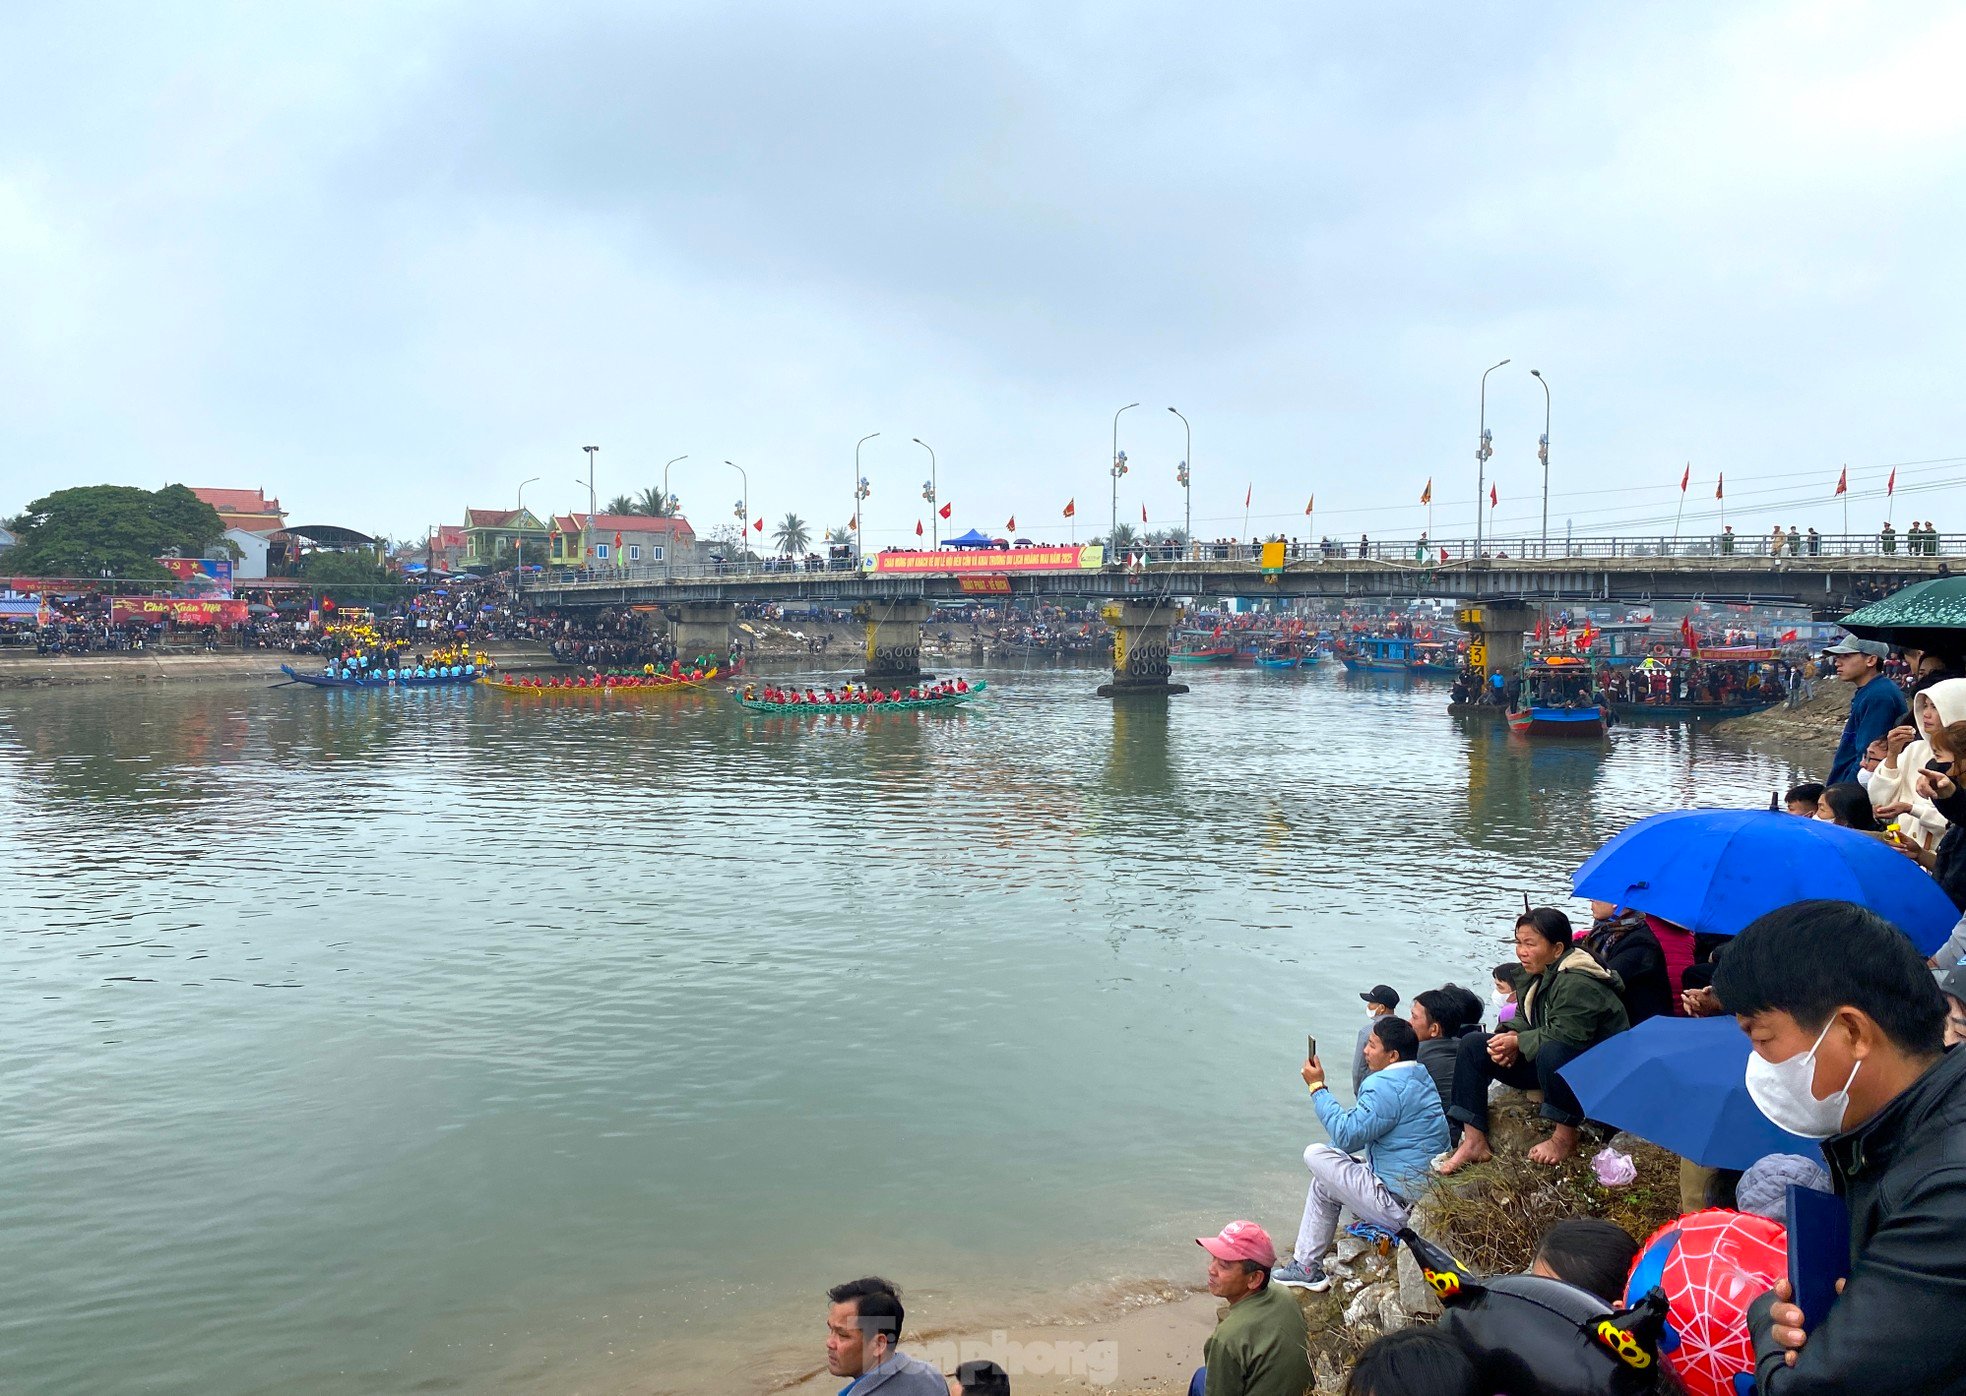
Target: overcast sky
(388, 260)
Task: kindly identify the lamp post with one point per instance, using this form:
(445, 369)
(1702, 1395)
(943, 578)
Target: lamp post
(1484, 448)
(591, 508)
(860, 492)
(928, 485)
(1185, 474)
(1543, 454)
(669, 503)
(743, 511)
(519, 540)
(1119, 469)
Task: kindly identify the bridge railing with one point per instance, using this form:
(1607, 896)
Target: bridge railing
(1414, 552)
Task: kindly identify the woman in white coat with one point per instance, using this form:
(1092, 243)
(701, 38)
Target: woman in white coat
(1893, 785)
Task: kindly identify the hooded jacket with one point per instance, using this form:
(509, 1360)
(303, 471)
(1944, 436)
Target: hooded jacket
(1896, 1327)
(1626, 946)
(1897, 782)
(1576, 1000)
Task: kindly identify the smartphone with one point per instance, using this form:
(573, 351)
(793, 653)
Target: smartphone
(1310, 1052)
(1819, 1251)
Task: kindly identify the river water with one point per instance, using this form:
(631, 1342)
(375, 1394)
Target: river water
(363, 1043)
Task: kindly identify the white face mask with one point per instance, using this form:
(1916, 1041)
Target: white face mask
(1499, 997)
(1863, 777)
(1786, 1092)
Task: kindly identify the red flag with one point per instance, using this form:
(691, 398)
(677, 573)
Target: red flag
(918, 528)
(758, 524)
(1143, 512)
(1072, 507)
(1787, 636)
(617, 542)
(1311, 507)
(1891, 485)
(853, 524)
(1686, 477)
(1493, 497)
(1720, 486)
(1011, 527)
(1843, 482)
(1249, 494)
(945, 510)
(1427, 494)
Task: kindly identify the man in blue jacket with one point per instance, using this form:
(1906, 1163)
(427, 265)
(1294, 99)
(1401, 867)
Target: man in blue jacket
(1399, 1124)
(1875, 708)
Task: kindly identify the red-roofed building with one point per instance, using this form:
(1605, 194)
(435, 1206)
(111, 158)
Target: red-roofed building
(619, 540)
(250, 510)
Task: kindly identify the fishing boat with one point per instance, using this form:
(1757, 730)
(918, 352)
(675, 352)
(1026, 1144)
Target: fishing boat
(1558, 697)
(1377, 654)
(905, 705)
(1205, 651)
(459, 677)
(1434, 660)
(1286, 654)
(643, 686)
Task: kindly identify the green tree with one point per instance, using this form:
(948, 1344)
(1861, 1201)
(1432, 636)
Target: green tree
(620, 504)
(120, 529)
(352, 579)
(841, 535)
(792, 535)
(651, 501)
(1122, 538)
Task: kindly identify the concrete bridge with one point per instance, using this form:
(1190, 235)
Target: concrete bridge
(1500, 592)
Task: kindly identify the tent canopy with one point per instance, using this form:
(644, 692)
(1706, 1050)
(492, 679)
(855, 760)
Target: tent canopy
(971, 539)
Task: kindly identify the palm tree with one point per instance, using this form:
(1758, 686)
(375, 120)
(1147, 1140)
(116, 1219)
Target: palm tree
(621, 504)
(651, 501)
(792, 535)
(1123, 538)
(842, 534)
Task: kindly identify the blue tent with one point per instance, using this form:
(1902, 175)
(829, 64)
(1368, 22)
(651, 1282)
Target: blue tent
(971, 539)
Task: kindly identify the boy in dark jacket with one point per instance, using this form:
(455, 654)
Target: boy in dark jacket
(1847, 1028)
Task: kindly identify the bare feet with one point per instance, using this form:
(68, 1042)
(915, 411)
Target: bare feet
(1474, 1149)
(1561, 1144)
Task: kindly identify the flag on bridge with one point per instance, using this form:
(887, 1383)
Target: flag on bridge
(945, 510)
(918, 528)
(1310, 505)
(1249, 494)
(758, 524)
(1427, 494)
(1143, 511)
(1720, 486)
(1494, 497)
(1843, 482)
(1011, 527)
(1891, 485)
(1686, 477)
(1072, 507)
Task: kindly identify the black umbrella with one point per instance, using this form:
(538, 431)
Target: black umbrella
(1929, 616)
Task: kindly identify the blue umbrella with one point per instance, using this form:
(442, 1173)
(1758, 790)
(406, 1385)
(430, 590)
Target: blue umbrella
(1681, 1084)
(1717, 870)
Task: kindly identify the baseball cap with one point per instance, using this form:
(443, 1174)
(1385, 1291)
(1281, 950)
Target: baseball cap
(1241, 1240)
(1850, 644)
(1381, 994)
(1953, 982)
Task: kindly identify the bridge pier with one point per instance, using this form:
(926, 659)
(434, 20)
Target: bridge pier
(702, 627)
(1495, 630)
(1140, 650)
(894, 638)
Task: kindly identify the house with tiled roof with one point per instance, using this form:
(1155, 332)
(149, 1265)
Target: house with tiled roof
(619, 540)
(492, 537)
(250, 510)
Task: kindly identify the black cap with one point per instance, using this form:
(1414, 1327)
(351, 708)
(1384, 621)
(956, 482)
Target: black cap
(1381, 994)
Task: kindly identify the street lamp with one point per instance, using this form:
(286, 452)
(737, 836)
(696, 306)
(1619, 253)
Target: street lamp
(591, 510)
(1543, 454)
(860, 492)
(669, 503)
(1119, 469)
(928, 485)
(743, 510)
(1183, 472)
(1484, 448)
(519, 539)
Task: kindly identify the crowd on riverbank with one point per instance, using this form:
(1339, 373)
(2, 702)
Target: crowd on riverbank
(1847, 1032)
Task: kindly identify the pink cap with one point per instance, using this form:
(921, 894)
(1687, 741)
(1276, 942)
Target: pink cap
(1241, 1240)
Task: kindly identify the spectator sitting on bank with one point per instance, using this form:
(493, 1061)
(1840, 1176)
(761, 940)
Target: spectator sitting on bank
(1399, 1125)
(1876, 707)
(863, 1329)
(1260, 1348)
(1620, 940)
(1503, 996)
(1893, 787)
(1802, 798)
(1847, 806)
(1847, 1030)
(1588, 1253)
(1569, 1003)
(1947, 861)
(1413, 1362)
(1379, 1001)
(1440, 1018)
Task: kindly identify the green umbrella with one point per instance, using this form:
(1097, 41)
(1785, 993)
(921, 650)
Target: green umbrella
(1924, 616)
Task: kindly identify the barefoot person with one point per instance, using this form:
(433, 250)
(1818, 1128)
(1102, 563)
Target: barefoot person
(1569, 1002)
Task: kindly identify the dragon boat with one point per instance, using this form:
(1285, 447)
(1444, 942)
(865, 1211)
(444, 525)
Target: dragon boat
(642, 687)
(464, 676)
(905, 705)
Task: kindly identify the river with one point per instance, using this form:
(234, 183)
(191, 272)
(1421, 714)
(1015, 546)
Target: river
(370, 1043)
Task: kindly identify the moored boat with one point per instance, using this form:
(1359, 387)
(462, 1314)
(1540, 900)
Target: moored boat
(1377, 654)
(1558, 697)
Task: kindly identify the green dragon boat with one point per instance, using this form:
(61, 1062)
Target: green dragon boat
(906, 705)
